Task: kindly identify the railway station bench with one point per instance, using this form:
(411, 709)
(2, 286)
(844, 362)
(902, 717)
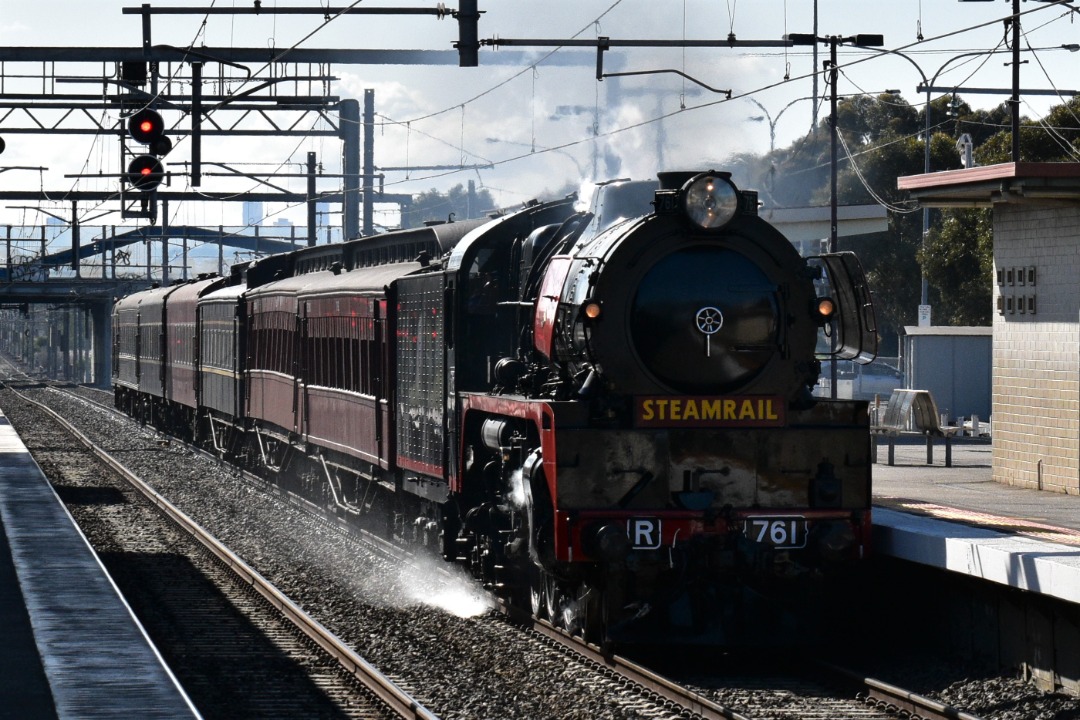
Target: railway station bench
(912, 412)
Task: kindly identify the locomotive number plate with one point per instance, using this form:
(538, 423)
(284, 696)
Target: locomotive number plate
(788, 531)
(644, 533)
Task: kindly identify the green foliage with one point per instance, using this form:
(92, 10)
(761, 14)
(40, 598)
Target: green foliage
(958, 261)
(434, 205)
(1054, 139)
(871, 120)
(885, 137)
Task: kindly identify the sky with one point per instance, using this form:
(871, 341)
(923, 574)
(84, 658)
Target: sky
(524, 131)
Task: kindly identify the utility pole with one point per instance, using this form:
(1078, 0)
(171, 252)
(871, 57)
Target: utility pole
(833, 41)
(369, 161)
(861, 40)
(312, 221)
(1014, 101)
(349, 112)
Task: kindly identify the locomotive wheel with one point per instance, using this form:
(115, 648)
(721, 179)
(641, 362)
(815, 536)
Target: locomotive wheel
(593, 621)
(581, 612)
(536, 591)
(570, 615)
(551, 597)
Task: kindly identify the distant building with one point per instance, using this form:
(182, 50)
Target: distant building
(253, 213)
(55, 226)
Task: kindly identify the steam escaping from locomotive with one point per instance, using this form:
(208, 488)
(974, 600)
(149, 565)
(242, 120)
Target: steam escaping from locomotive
(429, 582)
(516, 490)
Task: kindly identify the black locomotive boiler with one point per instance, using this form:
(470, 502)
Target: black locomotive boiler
(606, 414)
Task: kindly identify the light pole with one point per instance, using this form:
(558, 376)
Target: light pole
(771, 120)
(927, 86)
(923, 296)
(833, 41)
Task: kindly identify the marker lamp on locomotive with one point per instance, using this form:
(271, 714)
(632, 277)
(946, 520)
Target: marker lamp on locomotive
(591, 310)
(710, 201)
(826, 308)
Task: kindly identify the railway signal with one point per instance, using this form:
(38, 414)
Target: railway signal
(147, 127)
(145, 172)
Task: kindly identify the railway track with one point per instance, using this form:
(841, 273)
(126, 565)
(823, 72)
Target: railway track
(817, 690)
(291, 630)
(749, 699)
(680, 699)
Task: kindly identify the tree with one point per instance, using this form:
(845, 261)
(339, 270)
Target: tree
(885, 137)
(872, 119)
(958, 259)
(1053, 139)
(436, 206)
(882, 140)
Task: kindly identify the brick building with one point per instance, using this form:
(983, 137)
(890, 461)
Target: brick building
(1036, 329)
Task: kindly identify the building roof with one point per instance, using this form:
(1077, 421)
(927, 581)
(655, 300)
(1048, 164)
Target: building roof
(990, 184)
(987, 330)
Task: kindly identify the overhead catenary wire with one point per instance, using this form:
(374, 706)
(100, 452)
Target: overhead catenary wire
(612, 132)
(862, 179)
(596, 135)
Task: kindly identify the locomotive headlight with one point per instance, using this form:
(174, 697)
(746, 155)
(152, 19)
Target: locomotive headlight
(591, 310)
(710, 201)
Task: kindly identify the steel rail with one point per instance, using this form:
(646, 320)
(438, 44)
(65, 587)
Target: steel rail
(898, 700)
(381, 686)
(665, 689)
(883, 694)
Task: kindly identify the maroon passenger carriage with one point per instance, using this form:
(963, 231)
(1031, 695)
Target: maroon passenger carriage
(606, 414)
(154, 354)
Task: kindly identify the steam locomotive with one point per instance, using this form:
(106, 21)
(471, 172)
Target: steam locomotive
(605, 414)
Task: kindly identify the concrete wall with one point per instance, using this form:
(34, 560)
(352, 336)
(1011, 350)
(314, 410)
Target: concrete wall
(1036, 401)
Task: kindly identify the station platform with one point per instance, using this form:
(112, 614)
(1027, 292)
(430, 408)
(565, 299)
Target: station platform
(70, 646)
(957, 518)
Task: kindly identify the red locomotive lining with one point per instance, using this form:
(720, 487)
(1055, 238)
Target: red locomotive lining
(538, 411)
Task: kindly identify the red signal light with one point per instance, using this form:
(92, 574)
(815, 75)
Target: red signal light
(145, 173)
(147, 127)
